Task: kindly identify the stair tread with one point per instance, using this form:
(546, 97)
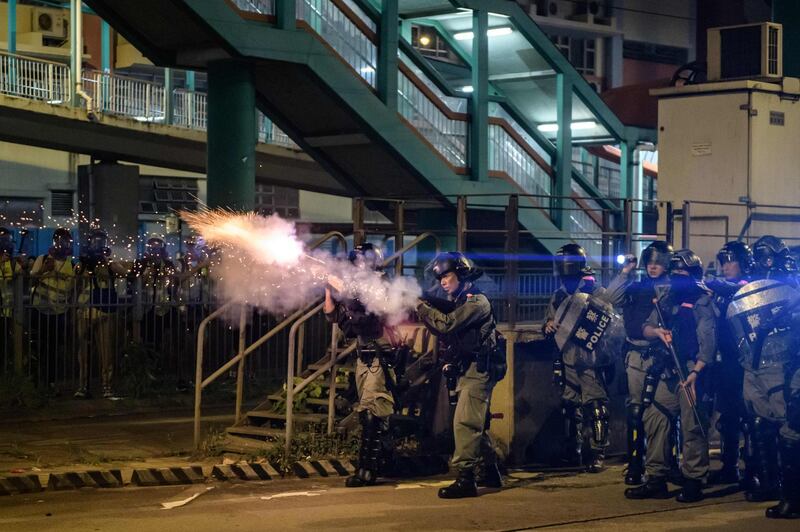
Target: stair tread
(252, 430)
(268, 414)
(321, 401)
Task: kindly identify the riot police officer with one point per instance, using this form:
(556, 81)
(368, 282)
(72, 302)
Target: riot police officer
(768, 351)
(472, 347)
(584, 384)
(373, 376)
(637, 308)
(736, 263)
(691, 322)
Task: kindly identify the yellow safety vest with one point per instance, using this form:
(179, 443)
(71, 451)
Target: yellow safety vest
(53, 291)
(6, 288)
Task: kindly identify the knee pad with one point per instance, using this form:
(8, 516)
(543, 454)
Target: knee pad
(599, 410)
(635, 412)
(600, 417)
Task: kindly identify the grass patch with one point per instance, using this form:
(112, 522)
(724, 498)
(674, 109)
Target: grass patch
(314, 444)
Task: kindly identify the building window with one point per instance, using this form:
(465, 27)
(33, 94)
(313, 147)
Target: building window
(61, 202)
(581, 53)
(284, 202)
(163, 195)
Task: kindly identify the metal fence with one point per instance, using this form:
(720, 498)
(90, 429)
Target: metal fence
(35, 79)
(137, 334)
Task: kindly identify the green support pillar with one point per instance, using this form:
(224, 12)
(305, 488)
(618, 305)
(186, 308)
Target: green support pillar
(231, 135)
(387, 53)
(479, 108)
(12, 26)
(169, 87)
(286, 14)
(190, 81)
(626, 170)
(405, 30)
(563, 166)
(105, 47)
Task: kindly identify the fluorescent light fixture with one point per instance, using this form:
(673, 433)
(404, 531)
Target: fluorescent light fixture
(491, 32)
(467, 88)
(583, 124)
(367, 70)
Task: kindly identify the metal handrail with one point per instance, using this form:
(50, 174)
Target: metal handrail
(291, 388)
(34, 78)
(201, 383)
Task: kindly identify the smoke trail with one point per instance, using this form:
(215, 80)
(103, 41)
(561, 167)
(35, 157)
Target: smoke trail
(261, 262)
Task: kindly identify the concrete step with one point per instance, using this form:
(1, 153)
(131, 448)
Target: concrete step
(322, 401)
(267, 415)
(248, 445)
(252, 430)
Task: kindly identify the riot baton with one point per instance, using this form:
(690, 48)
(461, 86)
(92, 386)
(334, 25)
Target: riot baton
(681, 373)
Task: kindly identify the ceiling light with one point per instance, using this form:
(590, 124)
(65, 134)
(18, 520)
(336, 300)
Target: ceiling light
(582, 124)
(424, 40)
(467, 88)
(491, 32)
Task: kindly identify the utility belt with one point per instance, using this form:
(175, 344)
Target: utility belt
(392, 357)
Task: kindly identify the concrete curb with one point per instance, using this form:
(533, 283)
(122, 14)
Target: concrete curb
(195, 474)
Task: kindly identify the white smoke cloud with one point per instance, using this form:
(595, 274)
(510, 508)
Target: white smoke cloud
(261, 262)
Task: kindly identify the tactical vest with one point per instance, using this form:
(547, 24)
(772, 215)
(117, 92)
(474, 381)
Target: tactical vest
(52, 291)
(356, 322)
(638, 307)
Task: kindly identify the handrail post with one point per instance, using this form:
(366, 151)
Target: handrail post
(301, 347)
(670, 229)
(332, 388)
(461, 224)
(686, 225)
(359, 233)
(512, 259)
(628, 225)
(240, 369)
(399, 222)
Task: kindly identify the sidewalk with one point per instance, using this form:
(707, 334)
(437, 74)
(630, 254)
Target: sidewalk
(98, 434)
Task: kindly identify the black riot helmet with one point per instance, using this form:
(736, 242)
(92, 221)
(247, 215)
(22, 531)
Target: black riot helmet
(766, 252)
(570, 261)
(6, 242)
(736, 251)
(366, 256)
(98, 243)
(454, 261)
(156, 248)
(62, 243)
(688, 260)
(659, 252)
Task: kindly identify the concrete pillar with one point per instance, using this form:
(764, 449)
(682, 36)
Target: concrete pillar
(12, 26)
(231, 135)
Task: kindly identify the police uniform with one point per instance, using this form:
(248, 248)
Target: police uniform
(373, 377)
(638, 362)
(585, 386)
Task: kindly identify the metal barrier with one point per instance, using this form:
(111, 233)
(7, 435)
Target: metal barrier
(35, 79)
(243, 350)
(190, 109)
(120, 95)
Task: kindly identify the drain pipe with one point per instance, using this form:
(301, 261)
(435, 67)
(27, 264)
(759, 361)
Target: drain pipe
(76, 56)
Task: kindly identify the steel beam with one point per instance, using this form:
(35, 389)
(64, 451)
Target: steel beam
(387, 53)
(479, 103)
(563, 164)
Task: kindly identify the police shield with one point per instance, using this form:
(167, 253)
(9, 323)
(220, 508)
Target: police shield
(758, 307)
(590, 324)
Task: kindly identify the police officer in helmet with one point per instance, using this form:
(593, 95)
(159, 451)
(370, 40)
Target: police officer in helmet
(736, 264)
(638, 306)
(691, 329)
(583, 385)
(373, 376)
(472, 345)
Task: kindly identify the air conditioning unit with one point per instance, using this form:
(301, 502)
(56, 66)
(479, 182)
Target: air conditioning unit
(751, 51)
(51, 23)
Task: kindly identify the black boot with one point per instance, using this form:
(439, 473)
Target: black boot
(764, 485)
(692, 491)
(654, 488)
(634, 475)
(573, 434)
(369, 452)
(789, 505)
(464, 486)
(491, 477)
(597, 465)
(729, 455)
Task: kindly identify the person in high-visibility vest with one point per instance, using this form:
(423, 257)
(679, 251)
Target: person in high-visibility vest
(52, 293)
(10, 267)
(97, 312)
(156, 272)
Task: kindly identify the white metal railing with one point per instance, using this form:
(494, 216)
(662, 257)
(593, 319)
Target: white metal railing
(34, 78)
(262, 7)
(121, 95)
(189, 109)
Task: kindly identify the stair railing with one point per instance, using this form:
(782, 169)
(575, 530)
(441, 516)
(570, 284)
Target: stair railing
(243, 350)
(295, 355)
